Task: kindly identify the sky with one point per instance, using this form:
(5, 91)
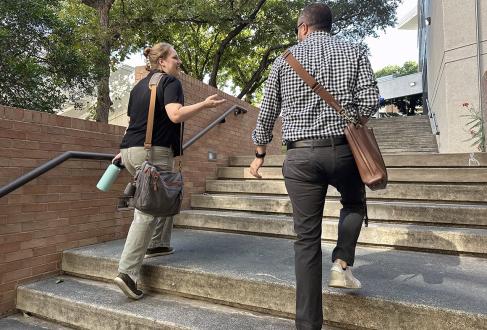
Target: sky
(393, 46)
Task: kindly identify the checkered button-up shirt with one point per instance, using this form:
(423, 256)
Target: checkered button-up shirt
(342, 68)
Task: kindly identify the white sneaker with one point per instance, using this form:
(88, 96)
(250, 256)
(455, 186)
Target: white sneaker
(340, 278)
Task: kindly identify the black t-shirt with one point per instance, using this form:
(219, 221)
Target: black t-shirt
(165, 132)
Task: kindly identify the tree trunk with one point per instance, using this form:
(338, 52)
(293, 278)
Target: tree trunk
(104, 102)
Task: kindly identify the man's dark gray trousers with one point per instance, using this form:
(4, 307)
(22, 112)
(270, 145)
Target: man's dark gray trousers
(307, 173)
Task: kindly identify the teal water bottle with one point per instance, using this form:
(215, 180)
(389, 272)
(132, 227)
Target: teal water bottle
(110, 175)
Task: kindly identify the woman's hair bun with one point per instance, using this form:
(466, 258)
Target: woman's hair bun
(147, 51)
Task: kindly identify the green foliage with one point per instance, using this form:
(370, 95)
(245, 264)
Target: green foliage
(475, 126)
(247, 57)
(408, 67)
(53, 45)
(40, 59)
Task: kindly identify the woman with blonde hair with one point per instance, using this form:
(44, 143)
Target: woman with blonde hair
(150, 236)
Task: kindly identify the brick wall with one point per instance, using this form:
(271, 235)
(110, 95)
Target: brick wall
(62, 209)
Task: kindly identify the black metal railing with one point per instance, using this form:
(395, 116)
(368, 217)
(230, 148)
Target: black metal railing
(19, 182)
(236, 110)
(432, 117)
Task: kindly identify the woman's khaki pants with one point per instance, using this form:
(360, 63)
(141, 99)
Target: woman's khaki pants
(146, 231)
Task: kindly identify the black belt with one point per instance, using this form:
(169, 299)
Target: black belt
(328, 142)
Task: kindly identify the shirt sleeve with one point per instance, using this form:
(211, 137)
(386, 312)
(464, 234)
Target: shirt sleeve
(270, 107)
(171, 91)
(129, 107)
(366, 92)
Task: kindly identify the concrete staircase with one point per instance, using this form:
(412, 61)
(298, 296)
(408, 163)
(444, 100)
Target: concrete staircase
(404, 134)
(422, 260)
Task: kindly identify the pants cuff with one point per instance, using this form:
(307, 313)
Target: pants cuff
(348, 260)
(305, 325)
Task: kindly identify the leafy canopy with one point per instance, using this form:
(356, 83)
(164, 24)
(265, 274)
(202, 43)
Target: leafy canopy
(235, 42)
(408, 67)
(55, 45)
(40, 59)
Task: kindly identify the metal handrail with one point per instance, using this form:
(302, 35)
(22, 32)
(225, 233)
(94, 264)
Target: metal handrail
(17, 183)
(20, 181)
(235, 109)
(432, 118)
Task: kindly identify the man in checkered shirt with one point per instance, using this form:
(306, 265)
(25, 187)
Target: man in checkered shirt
(318, 154)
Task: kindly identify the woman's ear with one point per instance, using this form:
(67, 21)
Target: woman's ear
(160, 61)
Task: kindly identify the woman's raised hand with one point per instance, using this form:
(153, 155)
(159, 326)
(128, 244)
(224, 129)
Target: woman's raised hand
(213, 101)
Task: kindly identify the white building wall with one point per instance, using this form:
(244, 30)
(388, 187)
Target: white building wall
(453, 69)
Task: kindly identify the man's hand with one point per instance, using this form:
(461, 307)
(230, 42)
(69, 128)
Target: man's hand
(254, 167)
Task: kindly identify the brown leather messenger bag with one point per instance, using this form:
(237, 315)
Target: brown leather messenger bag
(360, 138)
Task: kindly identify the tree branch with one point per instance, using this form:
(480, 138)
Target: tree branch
(235, 32)
(263, 65)
(207, 55)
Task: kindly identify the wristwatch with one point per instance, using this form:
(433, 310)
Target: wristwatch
(257, 155)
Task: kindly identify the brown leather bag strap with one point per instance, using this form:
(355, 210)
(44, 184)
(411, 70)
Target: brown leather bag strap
(315, 86)
(153, 83)
(150, 118)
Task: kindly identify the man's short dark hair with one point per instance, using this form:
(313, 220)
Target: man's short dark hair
(318, 16)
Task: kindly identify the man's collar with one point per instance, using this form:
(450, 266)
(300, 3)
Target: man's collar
(318, 33)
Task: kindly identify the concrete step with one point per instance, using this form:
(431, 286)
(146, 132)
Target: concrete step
(401, 126)
(427, 151)
(407, 160)
(94, 305)
(399, 122)
(386, 122)
(415, 237)
(409, 191)
(400, 132)
(408, 138)
(401, 289)
(452, 175)
(25, 322)
(401, 151)
(407, 128)
(397, 148)
(406, 142)
(378, 211)
(415, 144)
